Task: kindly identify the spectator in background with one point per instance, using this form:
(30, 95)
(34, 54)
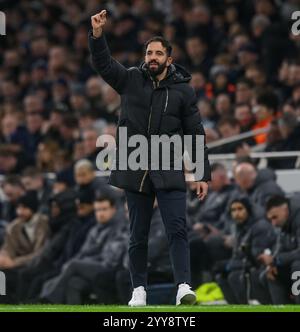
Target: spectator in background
(198, 82)
(260, 185)
(46, 155)
(284, 214)
(12, 132)
(198, 58)
(223, 105)
(207, 113)
(69, 132)
(33, 179)
(11, 162)
(62, 219)
(252, 236)
(286, 131)
(96, 262)
(244, 91)
(256, 74)
(229, 127)
(85, 177)
(34, 123)
(111, 101)
(13, 189)
(264, 111)
(26, 235)
(208, 221)
(89, 138)
(244, 115)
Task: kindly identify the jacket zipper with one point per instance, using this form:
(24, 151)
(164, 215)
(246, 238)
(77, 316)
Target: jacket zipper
(148, 129)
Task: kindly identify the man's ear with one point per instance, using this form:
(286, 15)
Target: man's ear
(169, 60)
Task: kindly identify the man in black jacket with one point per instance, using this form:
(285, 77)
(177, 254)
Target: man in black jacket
(96, 262)
(156, 100)
(284, 260)
(251, 237)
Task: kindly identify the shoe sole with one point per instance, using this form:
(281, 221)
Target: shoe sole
(188, 299)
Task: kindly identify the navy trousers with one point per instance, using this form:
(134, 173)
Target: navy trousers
(172, 205)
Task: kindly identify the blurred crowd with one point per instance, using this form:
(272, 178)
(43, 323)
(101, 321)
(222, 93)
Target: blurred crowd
(63, 230)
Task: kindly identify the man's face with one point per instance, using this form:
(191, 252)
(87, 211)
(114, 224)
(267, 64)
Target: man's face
(278, 215)
(243, 115)
(104, 211)
(84, 176)
(195, 48)
(217, 180)
(32, 183)
(84, 209)
(238, 213)
(243, 93)
(156, 58)
(13, 193)
(24, 212)
(89, 141)
(226, 130)
(261, 112)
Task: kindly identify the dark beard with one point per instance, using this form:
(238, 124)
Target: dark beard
(155, 72)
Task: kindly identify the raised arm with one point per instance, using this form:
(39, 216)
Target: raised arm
(115, 74)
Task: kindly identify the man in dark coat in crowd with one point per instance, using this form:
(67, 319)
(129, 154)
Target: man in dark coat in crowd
(63, 217)
(259, 185)
(156, 99)
(284, 214)
(96, 262)
(25, 238)
(13, 190)
(208, 222)
(252, 236)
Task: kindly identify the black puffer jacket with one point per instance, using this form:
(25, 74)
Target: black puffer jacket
(150, 108)
(264, 187)
(287, 249)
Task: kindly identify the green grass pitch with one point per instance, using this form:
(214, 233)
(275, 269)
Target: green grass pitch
(109, 308)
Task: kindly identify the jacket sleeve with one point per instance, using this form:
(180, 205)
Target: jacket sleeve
(262, 237)
(288, 257)
(115, 74)
(192, 125)
(41, 237)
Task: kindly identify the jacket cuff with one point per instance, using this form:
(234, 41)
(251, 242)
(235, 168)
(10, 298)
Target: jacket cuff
(97, 45)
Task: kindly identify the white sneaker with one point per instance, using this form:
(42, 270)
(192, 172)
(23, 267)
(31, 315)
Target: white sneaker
(138, 297)
(185, 295)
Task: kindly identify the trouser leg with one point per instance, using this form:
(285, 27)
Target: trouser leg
(140, 207)
(172, 205)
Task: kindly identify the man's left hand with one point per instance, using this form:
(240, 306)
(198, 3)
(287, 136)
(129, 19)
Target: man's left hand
(201, 189)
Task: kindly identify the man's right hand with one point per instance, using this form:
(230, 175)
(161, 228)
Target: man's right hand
(98, 21)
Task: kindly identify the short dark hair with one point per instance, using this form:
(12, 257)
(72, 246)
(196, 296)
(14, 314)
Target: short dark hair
(275, 201)
(217, 166)
(13, 180)
(269, 99)
(237, 105)
(32, 172)
(245, 202)
(246, 81)
(165, 43)
(106, 197)
(228, 120)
